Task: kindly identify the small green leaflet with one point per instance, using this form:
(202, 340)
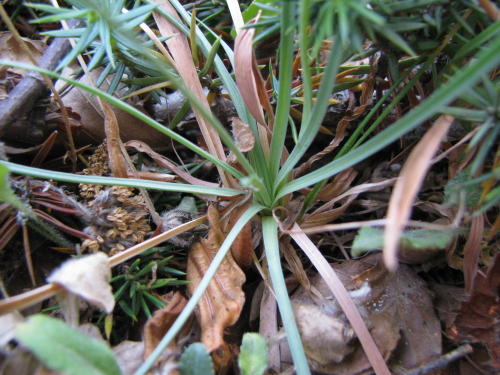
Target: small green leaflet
(196, 361)
(254, 355)
(370, 238)
(63, 349)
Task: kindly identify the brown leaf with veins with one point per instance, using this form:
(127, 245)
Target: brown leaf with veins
(478, 319)
(222, 302)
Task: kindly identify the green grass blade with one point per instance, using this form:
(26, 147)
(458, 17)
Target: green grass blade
(193, 301)
(485, 61)
(309, 129)
(113, 181)
(284, 87)
(270, 236)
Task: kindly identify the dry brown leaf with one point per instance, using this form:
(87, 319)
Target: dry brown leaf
(181, 53)
(87, 277)
(11, 50)
(401, 295)
(128, 354)
(478, 318)
(472, 251)
(223, 300)
(409, 183)
(249, 79)
(116, 159)
(159, 324)
(161, 160)
(243, 135)
(92, 116)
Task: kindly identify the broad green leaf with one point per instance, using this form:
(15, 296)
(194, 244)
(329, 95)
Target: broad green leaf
(63, 349)
(196, 361)
(254, 355)
(370, 238)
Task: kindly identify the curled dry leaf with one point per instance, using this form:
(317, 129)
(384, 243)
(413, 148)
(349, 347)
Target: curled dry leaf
(243, 135)
(249, 79)
(223, 300)
(156, 327)
(87, 277)
(408, 185)
(477, 320)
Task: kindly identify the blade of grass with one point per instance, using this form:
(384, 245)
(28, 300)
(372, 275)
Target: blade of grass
(309, 128)
(343, 298)
(270, 236)
(193, 301)
(485, 61)
(113, 181)
(284, 87)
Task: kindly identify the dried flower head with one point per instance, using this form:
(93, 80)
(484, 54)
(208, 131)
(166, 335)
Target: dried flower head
(180, 215)
(117, 219)
(98, 166)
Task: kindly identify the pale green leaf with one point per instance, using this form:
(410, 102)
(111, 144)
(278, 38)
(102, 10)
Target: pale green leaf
(254, 354)
(196, 361)
(63, 349)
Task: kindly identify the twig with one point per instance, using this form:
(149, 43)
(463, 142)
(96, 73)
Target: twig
(439, 362)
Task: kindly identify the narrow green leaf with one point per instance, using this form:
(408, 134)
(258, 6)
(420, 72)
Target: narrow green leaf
(196, 361)
(254, 354)
(270, 236)
(113, 181)
(63, 349)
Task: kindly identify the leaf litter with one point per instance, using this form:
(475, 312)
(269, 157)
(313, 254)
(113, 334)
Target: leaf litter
(399, 308)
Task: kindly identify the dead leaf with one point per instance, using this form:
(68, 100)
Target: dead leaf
(472, 251)
(249, 79)
(87, 277)
(92, 117)
(115, 156)
(11, 50)
(243, 135)
(410, 180)
(478, 318)
(128, 354)
(401, 297)
(223, 300)
(159, 324)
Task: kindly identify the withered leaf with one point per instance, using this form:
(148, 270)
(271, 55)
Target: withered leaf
(223, 300)
(399, 304)
(478, 318)
(161, 321)
(87, 277)
(243, 135)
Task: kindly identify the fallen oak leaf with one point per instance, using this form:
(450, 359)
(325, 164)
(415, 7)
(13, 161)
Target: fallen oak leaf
(222, 302)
